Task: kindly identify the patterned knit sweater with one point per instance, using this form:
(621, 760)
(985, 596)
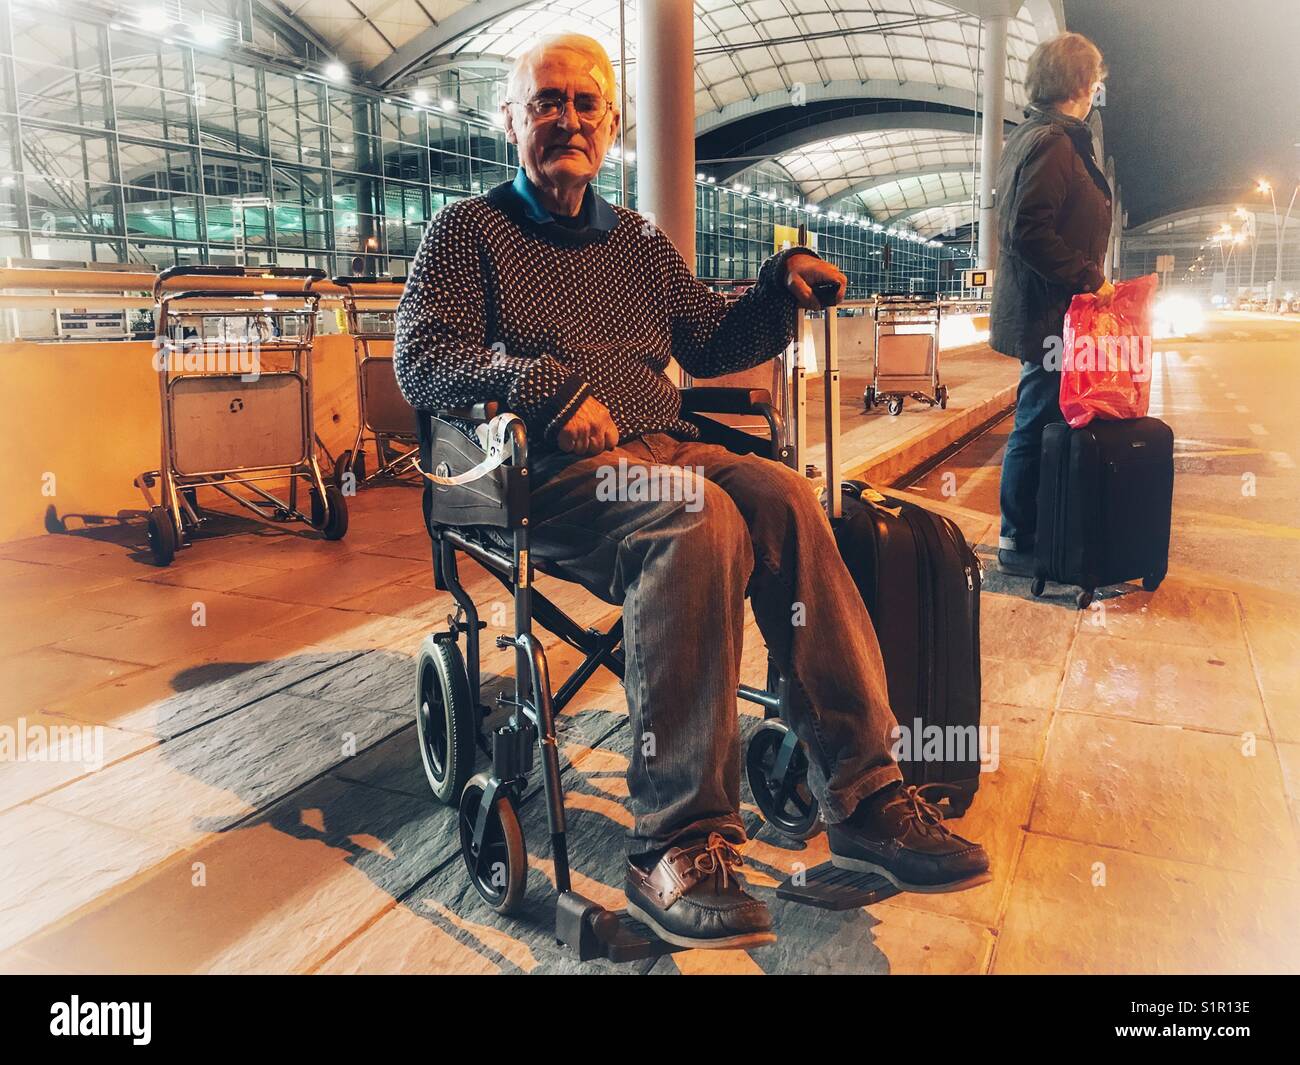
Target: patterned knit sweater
(499, 306)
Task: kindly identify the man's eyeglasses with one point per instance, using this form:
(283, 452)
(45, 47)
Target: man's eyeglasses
(590, 107)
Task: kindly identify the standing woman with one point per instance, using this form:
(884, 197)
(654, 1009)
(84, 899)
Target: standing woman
(1054, 220)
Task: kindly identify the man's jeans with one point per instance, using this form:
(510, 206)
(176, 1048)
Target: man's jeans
(1037, 406)
(681, 567)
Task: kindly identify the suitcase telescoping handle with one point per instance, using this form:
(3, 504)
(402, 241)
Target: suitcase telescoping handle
(827, 294)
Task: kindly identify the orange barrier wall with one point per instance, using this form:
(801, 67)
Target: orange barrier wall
(88, 414)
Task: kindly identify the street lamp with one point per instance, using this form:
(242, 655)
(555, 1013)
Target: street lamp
(1266, 187)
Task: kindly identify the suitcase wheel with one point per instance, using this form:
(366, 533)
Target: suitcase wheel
(1038, 586)
(1084, 599)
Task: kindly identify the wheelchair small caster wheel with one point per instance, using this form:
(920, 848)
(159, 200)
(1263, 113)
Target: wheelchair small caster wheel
(1084, 599)
(1037, 587)
(334, 525)
(163, 540)
(445, 724)
(498, 867)
(895, 405)
(783, 798)
(869, 398)
(1150, 584)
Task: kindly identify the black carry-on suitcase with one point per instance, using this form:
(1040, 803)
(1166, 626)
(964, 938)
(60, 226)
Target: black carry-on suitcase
(1105, 500)
(920, 581)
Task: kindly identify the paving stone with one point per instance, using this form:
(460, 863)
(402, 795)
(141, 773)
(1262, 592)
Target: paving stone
(1166, 792)
(1019, 682)
(171, 634)
(1164, 683)
(211, 574)
(381, 680)
(403, 941)
(279, 894)
(70, 750)
(212, 690)
(36, 679)
(1021, 730)
(1012, 628)
(55, 862)
(208, 779)
(1152, 915)
(329, 583)
(1178, 612)
(37, 625)
(26, 583)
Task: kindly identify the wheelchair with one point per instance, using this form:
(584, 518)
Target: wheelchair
(477, 504)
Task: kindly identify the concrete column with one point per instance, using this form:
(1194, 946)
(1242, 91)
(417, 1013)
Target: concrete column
(994, 95)
(665, 119)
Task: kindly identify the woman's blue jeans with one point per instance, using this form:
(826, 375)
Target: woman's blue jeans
(1037, 406)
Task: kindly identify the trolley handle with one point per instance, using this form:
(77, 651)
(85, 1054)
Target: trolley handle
(827, 294)
(305, 272)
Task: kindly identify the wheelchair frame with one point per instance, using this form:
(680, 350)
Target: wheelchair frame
(491, 840)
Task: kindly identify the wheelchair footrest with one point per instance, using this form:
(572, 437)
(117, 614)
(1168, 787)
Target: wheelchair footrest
(829, 888)
(592, 931)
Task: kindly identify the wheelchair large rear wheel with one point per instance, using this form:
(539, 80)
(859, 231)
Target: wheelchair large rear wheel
(785, 800)
(498, 868)
(445, 722)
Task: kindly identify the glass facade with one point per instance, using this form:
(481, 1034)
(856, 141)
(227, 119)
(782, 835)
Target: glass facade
(119, 146)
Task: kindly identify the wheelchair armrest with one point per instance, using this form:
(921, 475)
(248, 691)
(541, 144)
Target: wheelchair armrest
(479, 412)
(722, 400)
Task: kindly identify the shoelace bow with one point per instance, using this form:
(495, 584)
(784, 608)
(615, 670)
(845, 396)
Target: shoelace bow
(920, 810)
(718, 856)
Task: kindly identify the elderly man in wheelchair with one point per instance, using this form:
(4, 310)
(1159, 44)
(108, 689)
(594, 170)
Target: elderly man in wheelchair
(535, 329)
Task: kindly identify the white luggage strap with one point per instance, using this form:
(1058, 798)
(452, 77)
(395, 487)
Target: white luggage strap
(494, 438)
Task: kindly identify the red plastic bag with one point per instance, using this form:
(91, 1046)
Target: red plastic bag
(1106, 365)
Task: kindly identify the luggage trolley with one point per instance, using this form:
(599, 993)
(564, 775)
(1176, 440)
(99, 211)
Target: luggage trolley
(383, 415)
(906, 361)
(233, 353)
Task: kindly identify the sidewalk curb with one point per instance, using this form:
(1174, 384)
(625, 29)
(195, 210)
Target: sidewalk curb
(885, 465)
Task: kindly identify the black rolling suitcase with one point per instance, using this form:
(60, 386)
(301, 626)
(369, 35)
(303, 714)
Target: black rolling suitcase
(920, 581)
(1105, 499)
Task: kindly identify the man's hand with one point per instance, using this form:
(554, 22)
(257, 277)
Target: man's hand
(803, 271)
(589, 430)
(1105, 293)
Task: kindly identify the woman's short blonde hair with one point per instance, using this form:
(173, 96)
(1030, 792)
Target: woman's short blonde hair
(1063, 68)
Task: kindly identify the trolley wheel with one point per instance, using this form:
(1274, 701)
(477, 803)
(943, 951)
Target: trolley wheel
(943, 397)
(895, 405)
(869, 398)
(444, 718)
(1037, 586)
(163, 539)
(1150, 584)
(498, 870)
(787, 804)
(335, 526)
(343, 465)
(1084, 599)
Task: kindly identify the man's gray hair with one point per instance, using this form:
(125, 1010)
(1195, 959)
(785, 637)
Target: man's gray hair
(602, 70)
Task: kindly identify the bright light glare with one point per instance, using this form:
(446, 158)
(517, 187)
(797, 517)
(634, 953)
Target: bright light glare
(336, 71)
(1177, 316)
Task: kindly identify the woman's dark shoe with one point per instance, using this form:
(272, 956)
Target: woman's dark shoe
(692, 898)
(901, 836)
(1016, 563)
